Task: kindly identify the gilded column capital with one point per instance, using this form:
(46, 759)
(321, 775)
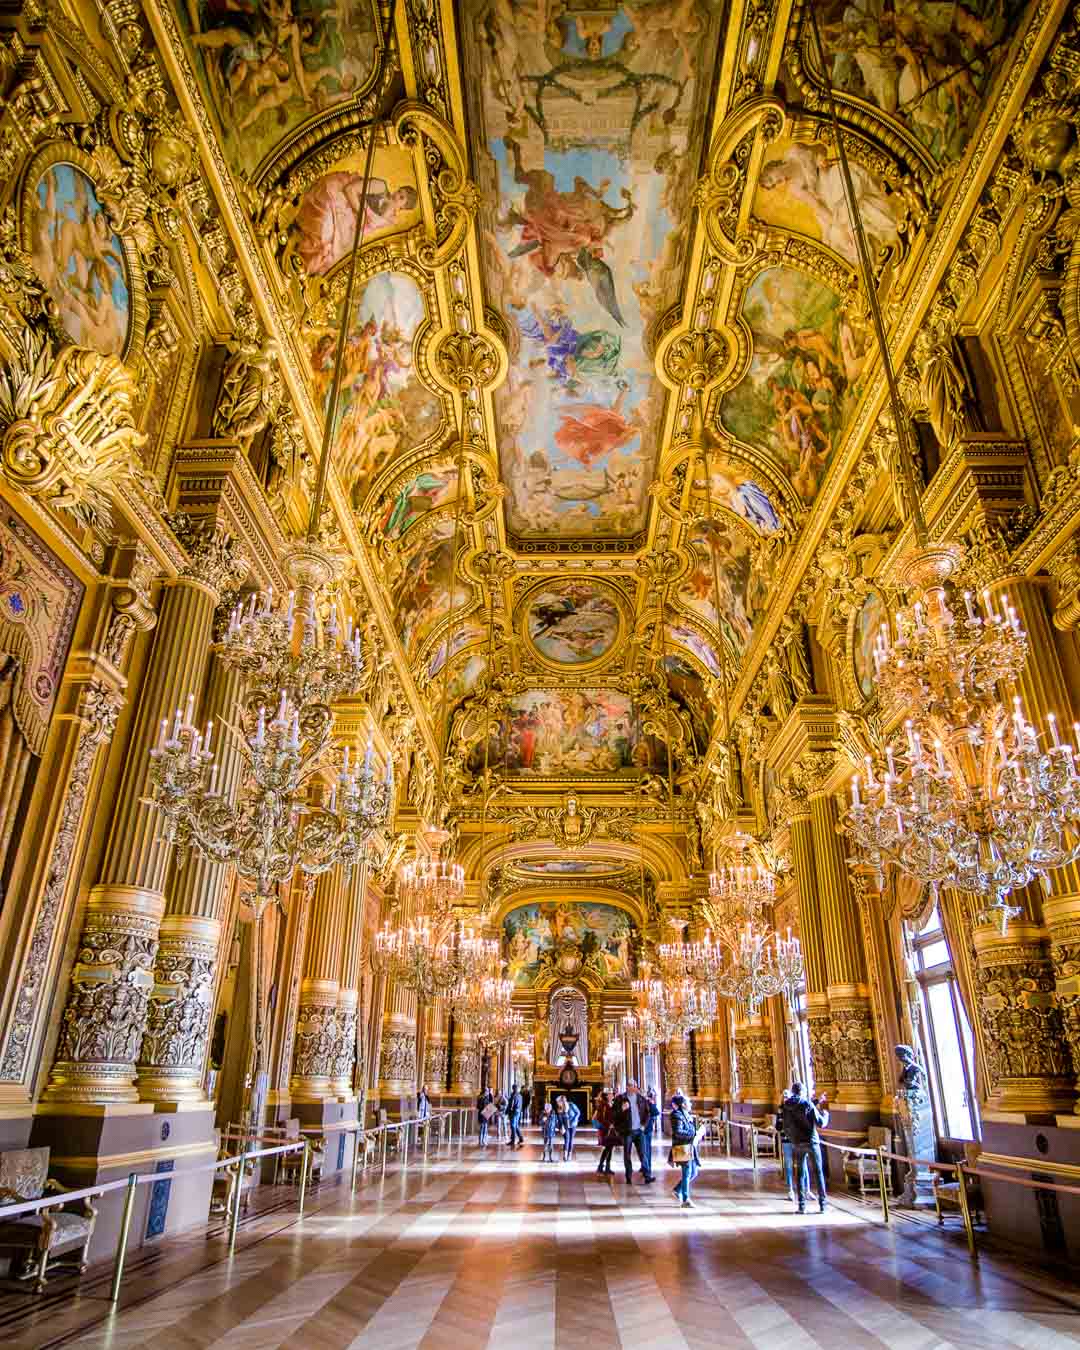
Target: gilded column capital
(215, 561)
(1064, 567)
(132, 607)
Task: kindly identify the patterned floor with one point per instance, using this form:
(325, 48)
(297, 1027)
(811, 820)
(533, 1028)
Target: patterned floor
(491, 1248)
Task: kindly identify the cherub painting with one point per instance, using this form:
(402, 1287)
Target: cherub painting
(326, 222)
(270, 64)
(800, 388)
(80, 259)
(385, 407)
(422, 592)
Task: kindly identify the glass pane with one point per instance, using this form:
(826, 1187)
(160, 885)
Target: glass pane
(947, 1043)
(929, 1059)
(932, 924)
(934, 953)
(969, 1053)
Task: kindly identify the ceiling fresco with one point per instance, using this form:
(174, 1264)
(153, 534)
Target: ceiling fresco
(603, 244)
(587, 115)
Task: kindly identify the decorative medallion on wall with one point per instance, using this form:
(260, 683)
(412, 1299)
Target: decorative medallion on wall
(863, 634)
(91, 273)
(575, 622)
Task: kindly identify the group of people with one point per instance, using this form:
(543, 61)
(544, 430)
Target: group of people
(628, 1121)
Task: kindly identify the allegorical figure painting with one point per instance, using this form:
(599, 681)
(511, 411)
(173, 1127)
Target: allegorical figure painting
(325, 224)
(800, 388)
(802, 189)
(587, 115)
(741, 597)
(270, 64)
(603, 934)
(416, 496)
(679, 633)
(688, 687)
(421, 593)
(80, 260)
(869, 619)
(572, 622)
(925, 62)
(385, 406)
(550, 732)
(730, 487)
(566, 867)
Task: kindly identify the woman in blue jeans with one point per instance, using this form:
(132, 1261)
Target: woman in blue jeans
(683, 1132)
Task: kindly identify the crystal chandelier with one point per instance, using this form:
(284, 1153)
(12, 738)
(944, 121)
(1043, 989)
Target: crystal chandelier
(759, 963)
(968, 798)
(296, 668)
(671, 1008)
(613, 1055)
(434, 957)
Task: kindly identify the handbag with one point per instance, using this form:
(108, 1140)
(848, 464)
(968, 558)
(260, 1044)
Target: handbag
(681, 1153)
(488, 1111)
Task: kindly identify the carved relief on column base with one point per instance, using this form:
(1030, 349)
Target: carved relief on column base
(177, 1032)
(465, 1068)
(1028, 1062)
(345, 1052)
(819, 1032)
(854, 1056)
(436, 1063)
(397, 1057)
(106, 1011)
(317, 1040)
(1062, 917)
(754, 1060)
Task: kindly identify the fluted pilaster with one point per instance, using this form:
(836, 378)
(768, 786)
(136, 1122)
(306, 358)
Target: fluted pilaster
(318, 1033)
(106, 1012)
(349, 979)
(812, 937)
(173, 1055)
(436, 1050)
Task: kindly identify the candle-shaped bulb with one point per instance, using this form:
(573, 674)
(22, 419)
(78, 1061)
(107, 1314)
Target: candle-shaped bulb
(209, 732)
(189, 712)
(855, 791)
(164, 736)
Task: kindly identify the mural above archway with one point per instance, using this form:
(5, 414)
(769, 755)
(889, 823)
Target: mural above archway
(569, 938)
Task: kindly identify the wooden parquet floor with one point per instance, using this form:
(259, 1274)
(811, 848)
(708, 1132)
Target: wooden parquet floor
(492, 1248)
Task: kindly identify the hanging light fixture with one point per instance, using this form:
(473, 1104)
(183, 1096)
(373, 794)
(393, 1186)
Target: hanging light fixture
(296, 668)
(969, 797)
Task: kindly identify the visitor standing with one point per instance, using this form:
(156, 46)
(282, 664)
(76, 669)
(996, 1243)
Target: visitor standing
(526, 1104)
(631, 1118)
(569, 1115)
(605, 1129)
(785, 1146)
(423, 1105)
(513, 1117)
(485, 1109)
(549, 1123)
(802, 1120)
(651, 1128)
(684, 1152)
(501, 1130)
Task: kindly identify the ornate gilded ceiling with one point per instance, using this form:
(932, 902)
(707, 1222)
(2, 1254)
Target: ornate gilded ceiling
(600, 242)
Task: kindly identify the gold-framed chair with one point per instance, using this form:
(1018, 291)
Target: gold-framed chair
(861, 1169)
(765, 1137)
(45, 1234)
(947, 1193)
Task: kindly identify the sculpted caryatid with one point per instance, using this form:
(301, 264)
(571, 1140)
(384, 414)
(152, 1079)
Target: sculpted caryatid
(943, 387)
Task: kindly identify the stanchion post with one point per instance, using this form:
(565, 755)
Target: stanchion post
(753, 1147)
(965, 1211)
(427, 1131)
(385, 1132)
(357, 1142)
(122, 1241)
(727, 1136)
(883, 1183)
(305, 1169)
(234, 1217)
(403, 1136)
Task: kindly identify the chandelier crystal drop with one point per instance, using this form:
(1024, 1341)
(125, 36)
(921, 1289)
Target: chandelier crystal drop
(971, 796)
(431, 884)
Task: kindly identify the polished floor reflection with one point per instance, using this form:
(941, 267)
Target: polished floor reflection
(490, 1248)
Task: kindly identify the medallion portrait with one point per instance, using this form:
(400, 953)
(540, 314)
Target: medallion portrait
(572, 622)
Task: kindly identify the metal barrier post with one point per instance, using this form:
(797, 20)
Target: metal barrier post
(385, 1132)
(234, 1217)
(965, 1210)
(404, 1144)
(753, 1148)
(358, 1141)
(882, 1182)
(305, 1167)
(125, 1228)
(427, 1131)
(727, 1136)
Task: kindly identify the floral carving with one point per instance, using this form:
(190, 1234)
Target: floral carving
(397, 1057)
(853, 1052)
(178, 1018)
(1022, 1022)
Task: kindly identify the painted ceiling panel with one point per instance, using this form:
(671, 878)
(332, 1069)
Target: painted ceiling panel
(588, 127)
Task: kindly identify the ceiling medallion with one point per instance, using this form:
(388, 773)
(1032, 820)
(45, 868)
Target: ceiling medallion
(572, 623)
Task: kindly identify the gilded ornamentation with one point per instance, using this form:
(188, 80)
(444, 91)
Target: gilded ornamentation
(214, 558)
(1065, 955)
(822, 1048)
(696, 359)
(99, 707)
(133, 609)
(251, 389)
(436, 1062)
(754, 1061)
(345, 1049)
(466, 361)
(466, 1065)
(317, 1048)
(854, 1057)
(397, 1056)
(677, 1068)
(67, 431)
(1022, 1022)
(178, 1016)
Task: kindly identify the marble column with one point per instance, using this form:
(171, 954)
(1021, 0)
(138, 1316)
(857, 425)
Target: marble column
(812, 936)
(317, 1031)
(106, 1013)
(851, 1017)
(174, 1045)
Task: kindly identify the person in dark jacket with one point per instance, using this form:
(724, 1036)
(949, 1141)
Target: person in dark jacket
(607, 1135)
(785, 1147)
(526, 1106)
(549, 1123)
(569, 1115)
(651, 1128)
(631, 1115)
(485, 1099)
(683, 1136)
(513, 1118)
(802, 1119)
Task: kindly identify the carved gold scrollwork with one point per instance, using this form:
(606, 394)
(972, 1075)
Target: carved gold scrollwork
(696, 359)
(454, 198)
(67, 433)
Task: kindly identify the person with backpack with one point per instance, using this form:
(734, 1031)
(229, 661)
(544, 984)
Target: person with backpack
(549, 1123)
(785, 1146)
(802, 1119)
(513, 1118)
(684, 1154)
(485, 1109)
